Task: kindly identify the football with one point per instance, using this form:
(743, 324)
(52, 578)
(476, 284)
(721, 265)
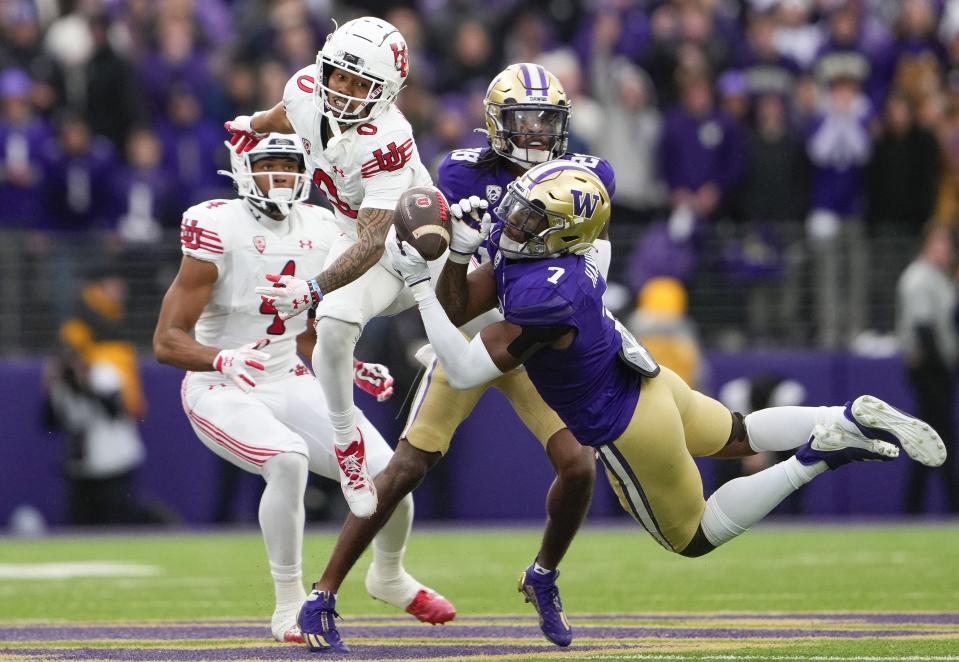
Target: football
(423, 219)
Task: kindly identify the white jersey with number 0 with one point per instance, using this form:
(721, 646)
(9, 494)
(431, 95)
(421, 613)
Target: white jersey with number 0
(245, 246)
(368, 165)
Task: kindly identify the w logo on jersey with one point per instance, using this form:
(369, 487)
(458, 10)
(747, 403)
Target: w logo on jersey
(585, 204)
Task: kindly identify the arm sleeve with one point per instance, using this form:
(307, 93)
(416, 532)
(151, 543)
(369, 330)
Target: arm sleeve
(467, 362)
(604, 255)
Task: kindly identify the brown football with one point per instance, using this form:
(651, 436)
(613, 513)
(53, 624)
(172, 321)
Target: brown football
(423, 219)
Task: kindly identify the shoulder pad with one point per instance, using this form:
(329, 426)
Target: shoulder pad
(454, 178)
(602, 168)
(301, 83)
(382, 151)
(541, 306)
(204, 228)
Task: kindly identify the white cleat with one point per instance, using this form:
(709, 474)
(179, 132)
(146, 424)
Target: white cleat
(284, 627)
(879, 420)
(355, 480)
(407, 594)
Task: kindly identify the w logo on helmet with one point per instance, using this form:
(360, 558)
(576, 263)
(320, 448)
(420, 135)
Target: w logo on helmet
(585, 204)
(401, 58)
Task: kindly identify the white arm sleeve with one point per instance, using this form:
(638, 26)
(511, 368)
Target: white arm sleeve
(604, 255)
(467, 362)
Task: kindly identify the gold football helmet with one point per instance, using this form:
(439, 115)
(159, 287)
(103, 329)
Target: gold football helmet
(555, 208)
(527, 115)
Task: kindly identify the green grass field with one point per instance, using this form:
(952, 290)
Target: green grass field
(822, 592)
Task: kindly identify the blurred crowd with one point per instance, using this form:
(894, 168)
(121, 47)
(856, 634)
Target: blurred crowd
(784, 127)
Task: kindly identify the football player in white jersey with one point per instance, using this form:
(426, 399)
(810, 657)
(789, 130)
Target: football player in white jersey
(247, 395)
(361, 155)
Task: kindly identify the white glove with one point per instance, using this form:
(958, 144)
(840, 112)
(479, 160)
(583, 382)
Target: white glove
(406, 260)
(243, 136)
(373, 378)
(291, 296)
(471, 223)
(233, 363)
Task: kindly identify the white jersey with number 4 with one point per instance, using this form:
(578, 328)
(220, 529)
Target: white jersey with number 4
(367, 166)
(245, 246)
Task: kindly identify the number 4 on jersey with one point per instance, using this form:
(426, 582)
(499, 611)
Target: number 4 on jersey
(277, 327)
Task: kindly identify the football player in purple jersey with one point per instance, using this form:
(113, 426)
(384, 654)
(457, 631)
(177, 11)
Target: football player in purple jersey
(644, 422)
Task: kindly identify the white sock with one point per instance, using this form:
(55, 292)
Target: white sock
(540, 570)
(282, 518)
(344, 427)
(288, 586)
(785, 428)
(742, 502)
(333, 367)
(389, 545)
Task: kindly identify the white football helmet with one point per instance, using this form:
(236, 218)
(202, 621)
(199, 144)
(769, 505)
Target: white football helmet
(276, 199)
(370, 48)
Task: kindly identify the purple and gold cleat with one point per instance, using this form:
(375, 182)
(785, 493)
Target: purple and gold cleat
(879, 420)
(837, 446)
(316, 621)
(542, 592)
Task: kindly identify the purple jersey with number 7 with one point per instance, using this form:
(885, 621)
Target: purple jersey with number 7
(587, 384)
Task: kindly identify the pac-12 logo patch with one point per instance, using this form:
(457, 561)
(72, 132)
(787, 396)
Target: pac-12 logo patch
(493, 192)
(259, 242)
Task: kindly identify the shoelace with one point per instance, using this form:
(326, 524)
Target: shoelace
(353, 469)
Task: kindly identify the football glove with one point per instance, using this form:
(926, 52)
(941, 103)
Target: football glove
(373, 378)
(406, 260)
(291, 296)
(243, 136)
(471, 223)
(233, 363)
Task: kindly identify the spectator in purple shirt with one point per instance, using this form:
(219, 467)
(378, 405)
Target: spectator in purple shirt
(701, 153)
(178, 63)
(839, 146)
(853, 32)
(79, 170)
(144, 200)
(22, 137)
(192, 146)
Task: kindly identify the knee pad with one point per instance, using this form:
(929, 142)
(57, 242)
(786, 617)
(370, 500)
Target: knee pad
(335, 337)
(289, 468)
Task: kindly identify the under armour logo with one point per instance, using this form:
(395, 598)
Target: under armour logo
(306, 243)
(296, 302)
(215, 203)
(338, 171)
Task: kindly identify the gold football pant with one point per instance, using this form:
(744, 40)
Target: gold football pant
(651, 465)
(438, 408)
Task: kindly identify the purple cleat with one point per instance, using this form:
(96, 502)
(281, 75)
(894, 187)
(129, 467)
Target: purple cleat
(879, 420)
(316, 621)
(542, 592)
(837, 446)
